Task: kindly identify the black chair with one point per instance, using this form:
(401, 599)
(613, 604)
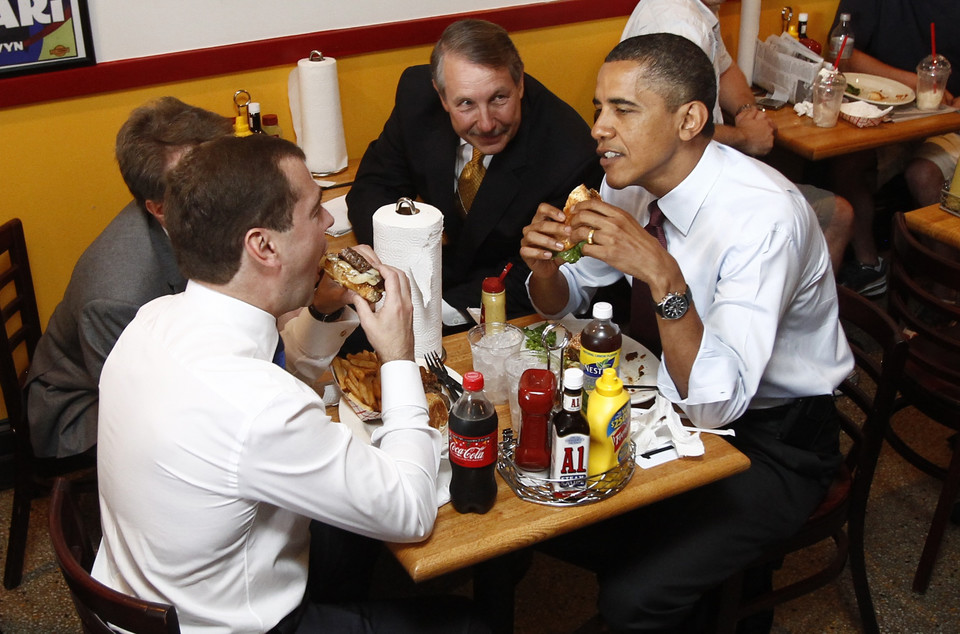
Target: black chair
(919, 278)
(18, 340)
(97, 605)
(880, 353)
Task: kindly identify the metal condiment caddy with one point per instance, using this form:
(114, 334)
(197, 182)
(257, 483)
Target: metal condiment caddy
(542, 490)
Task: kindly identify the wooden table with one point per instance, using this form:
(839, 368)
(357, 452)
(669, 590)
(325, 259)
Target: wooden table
(459, 541)
(935, 223)
(800, 136)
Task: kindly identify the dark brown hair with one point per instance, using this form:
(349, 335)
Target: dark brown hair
(221, 190)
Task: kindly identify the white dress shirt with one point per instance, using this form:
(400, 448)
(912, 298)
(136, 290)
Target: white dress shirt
(688, 18)
(759, 273)
(212, 460)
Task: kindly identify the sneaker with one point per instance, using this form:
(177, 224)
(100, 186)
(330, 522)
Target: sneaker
(866, 280)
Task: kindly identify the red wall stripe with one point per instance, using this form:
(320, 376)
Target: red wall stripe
(185, 65)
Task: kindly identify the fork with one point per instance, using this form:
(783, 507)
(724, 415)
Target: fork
(434, 365)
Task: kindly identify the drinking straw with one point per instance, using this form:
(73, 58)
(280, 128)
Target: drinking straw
(506, 270)
(843, 44)
(933, 43)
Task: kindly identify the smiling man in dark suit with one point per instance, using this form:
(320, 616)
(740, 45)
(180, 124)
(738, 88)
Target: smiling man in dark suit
(474, 102)
(130, 263)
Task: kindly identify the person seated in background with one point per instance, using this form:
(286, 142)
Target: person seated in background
(473, 111)
(733, 277)
(752, 131)
(212, 457)
(890, 39)
(126, 266)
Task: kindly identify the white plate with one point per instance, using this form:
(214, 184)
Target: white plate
(638, 366)
(894, 93)
(364, 430)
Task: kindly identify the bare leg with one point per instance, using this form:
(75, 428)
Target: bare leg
(837, 229)
(925, 181)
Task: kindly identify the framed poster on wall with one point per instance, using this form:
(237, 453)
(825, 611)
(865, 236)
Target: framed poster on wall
(42, 35)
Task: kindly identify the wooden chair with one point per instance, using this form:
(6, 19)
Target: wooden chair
(931, 379)
(97, 605)
(18, 340)
(880, 352)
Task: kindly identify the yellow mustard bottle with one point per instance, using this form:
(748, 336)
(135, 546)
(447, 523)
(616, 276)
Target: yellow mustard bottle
(608, 414)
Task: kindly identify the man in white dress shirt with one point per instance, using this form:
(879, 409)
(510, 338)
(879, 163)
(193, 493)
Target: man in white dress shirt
(213, 459)
(746, 312)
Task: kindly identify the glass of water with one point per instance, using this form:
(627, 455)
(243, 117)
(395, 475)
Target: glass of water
(490, 345)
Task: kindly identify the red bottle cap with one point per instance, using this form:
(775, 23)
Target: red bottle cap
(269, 119)
(492, 285)
(473, 381)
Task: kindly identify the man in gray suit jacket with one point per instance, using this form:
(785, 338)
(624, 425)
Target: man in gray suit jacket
(130, 263)
(535, 148)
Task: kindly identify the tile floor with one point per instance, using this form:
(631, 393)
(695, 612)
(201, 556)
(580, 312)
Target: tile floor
(902, 502)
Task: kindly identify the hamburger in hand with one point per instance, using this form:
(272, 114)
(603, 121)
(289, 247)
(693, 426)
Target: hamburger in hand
(573, 252)
(351, 270)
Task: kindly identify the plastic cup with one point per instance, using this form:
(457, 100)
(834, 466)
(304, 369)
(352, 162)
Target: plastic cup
(827, 96)
(932, 76)
(517, 363)
(491, 344)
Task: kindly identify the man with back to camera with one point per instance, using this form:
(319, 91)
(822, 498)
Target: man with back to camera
(127, 265)
(206, 500)
(752, 131)
(746, 312)
(474, 96)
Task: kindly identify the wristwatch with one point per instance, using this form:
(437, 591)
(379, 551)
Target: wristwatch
(674, 305)
(325, 317)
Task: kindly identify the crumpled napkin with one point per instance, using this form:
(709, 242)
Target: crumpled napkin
(803, 108)
(659, 425)
(864, 109)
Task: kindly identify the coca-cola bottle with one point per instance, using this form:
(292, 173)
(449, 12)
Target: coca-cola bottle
(473, 448)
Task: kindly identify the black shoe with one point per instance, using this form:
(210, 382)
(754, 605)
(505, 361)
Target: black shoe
(864, 279)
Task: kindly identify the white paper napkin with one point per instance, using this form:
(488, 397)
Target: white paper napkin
(658, 427)
(338, 209)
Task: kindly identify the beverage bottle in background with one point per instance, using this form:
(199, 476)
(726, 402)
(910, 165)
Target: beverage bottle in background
(842, 29)
(271, 127)
(473, 448)
(608, 415)
(493, 301)
(600, 344)
(254, 111)
(571, 438)
(805, 39)
(536, 394)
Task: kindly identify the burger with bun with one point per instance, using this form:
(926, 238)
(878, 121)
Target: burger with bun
(351, 270)
(572, 252)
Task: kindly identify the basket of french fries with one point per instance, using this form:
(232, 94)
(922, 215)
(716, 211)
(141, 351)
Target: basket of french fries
(358, 375)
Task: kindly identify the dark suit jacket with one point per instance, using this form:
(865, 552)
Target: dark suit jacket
(130, 263)
(415, 156)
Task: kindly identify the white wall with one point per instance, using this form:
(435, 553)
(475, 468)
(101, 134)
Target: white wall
(124, 29)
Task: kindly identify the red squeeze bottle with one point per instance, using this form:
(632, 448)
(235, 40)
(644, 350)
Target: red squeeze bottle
(473, 448)
(536, 394)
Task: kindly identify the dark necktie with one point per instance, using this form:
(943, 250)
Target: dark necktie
(470, 177)
(643, 319)
(280, 357)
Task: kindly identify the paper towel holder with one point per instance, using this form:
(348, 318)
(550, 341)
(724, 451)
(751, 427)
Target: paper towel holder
(405, 207)
(316, 56)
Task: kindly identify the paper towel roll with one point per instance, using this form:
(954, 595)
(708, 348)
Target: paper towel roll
(314, 96)
(411, 243)
(749, 30)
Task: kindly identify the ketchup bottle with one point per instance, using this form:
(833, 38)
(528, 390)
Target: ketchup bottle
(473, 448)
(536, 393)
(600, 344)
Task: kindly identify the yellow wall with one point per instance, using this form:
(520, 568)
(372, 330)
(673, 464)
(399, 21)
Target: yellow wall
(60, 178)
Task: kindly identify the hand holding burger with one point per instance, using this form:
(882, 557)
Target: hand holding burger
(572, 252)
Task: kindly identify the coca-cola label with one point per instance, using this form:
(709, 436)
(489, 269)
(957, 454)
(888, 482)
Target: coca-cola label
(473, 453)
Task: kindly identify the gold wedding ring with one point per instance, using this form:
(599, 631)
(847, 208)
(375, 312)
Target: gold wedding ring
(590, 236)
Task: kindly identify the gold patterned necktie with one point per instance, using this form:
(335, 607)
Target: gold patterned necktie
(470, 177)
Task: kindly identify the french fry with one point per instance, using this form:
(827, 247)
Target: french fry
(359, 376)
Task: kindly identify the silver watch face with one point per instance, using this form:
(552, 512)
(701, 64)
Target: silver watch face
(674, 306)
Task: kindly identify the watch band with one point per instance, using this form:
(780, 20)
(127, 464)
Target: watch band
(674, 305)
(325, 317)
(746, 106)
